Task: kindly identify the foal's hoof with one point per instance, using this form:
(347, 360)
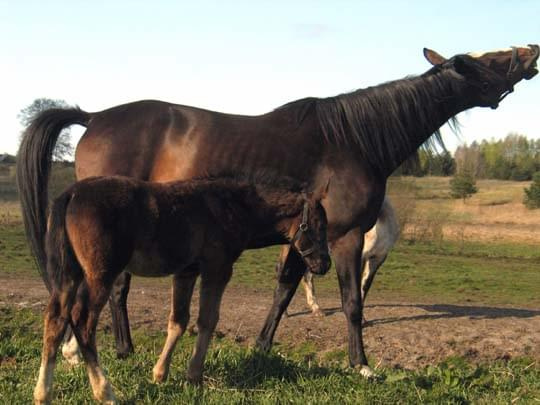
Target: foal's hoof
(195, 379)
(159, 376)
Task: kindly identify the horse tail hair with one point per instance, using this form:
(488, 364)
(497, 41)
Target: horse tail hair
(60, 256)
(33, 170)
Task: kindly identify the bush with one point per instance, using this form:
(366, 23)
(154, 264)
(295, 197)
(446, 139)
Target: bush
(462, 185)
(532, 194)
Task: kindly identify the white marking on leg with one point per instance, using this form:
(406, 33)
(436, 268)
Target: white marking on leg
(161, 369)
(71, 352)
(42, 392)
(367, 372)
(101, 388)
(307, 282)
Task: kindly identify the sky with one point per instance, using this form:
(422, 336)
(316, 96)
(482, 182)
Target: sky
(248, 57)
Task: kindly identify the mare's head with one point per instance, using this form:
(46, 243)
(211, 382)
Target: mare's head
(490, 76)
(308, 236)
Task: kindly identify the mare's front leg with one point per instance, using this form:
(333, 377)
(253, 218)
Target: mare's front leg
(347, 253)
(119, 315)
(182, 290)
(290, 273)
(212, 286)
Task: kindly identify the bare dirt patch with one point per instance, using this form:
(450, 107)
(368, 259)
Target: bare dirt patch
(402, 334)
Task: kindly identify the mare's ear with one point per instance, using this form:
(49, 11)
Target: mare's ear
(433, 57)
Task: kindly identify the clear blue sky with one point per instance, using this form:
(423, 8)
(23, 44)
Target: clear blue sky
(248, 57)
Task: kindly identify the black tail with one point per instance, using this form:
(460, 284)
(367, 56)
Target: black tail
(60, 256)
(33, 170)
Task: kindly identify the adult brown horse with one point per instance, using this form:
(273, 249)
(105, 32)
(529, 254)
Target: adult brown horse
(101, 226)
(357, 138)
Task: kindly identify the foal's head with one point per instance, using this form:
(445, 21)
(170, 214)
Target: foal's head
(308, 236)
(490, 76)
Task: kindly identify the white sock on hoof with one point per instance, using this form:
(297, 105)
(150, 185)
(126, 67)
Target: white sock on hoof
(70, 351)
(367, 372)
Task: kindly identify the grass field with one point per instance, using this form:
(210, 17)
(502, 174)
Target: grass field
(486, 264)
(239, 375)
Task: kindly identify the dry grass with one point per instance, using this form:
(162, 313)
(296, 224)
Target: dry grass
(10, 213)
(495, 213)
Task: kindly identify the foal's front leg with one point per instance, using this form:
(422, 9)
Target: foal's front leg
(182, 290)
(289, 275)
(212, 287)
(309, 288)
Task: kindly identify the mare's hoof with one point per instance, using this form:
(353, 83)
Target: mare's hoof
(263, 346)
(124, 352)
(367, 372)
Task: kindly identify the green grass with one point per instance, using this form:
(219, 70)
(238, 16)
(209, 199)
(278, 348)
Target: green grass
(476, 273)
(234, 374)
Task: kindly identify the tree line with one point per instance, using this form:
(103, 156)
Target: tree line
(513, 158)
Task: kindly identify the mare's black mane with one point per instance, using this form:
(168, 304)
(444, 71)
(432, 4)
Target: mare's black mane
(384, 123)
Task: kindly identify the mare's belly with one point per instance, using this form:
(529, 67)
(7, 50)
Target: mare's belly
(151, 264)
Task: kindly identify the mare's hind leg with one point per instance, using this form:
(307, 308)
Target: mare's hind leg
(370, 268)
(212, 287)
(309, 288)
(120, 323)
(85, 315)
(119, 315)
(182, 290)
(56, 320)
(289, 277)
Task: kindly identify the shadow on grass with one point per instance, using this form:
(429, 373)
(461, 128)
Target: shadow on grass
(440, 311)
(255, 369)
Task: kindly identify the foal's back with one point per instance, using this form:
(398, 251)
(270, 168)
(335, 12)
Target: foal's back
(154, 229)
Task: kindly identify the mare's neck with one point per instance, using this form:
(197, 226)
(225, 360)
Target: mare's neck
(389, 122)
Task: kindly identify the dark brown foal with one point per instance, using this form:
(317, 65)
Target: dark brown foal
(104, 225)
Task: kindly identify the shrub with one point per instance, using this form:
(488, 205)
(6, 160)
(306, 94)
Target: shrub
(532, 194)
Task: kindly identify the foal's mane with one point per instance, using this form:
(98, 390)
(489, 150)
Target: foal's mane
(385, 124)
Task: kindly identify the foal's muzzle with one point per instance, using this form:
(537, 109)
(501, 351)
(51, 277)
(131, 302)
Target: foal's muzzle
(322, 266)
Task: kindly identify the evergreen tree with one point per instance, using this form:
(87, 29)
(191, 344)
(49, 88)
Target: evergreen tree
(463, 185)
(532, 194)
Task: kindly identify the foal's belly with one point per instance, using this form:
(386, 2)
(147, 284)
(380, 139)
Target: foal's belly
(146, 263)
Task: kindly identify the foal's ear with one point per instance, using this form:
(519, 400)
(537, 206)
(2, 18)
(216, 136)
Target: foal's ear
(433, 57)
(324, 190)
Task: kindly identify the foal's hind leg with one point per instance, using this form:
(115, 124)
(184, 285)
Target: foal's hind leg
(212, 287)
(85, 315)
(56, 320)
(182, 290)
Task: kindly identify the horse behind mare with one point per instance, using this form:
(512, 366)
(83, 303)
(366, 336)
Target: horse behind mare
(102, 226)
(378, 242)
